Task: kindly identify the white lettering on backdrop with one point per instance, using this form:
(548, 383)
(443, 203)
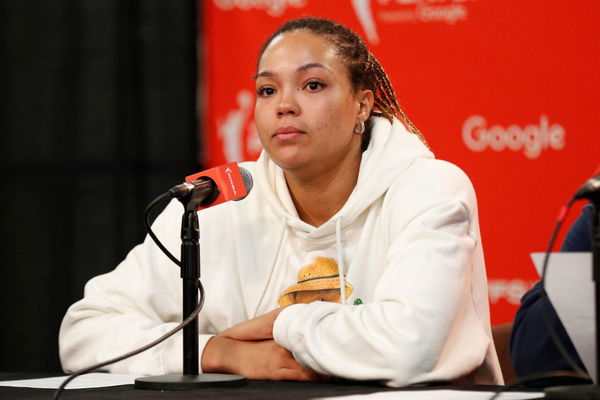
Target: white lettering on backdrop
(369, 12)
(532, 139)
(275, 8)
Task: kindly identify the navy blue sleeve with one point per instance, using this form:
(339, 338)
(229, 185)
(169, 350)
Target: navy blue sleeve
(531, 348)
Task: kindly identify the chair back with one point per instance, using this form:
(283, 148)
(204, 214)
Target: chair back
(501, 335)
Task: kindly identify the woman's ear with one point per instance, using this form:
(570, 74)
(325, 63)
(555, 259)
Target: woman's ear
(365, 104)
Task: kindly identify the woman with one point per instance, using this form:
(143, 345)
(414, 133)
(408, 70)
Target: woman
(349, 200)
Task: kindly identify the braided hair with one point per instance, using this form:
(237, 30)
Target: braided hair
(366, 73)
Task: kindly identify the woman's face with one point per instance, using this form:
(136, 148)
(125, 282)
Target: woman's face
(306, 107)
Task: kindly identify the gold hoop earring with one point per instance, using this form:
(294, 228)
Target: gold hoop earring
(361, 128)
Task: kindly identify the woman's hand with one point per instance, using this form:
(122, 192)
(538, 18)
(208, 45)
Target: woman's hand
(248, 349)
(260, 360)
(259, 328)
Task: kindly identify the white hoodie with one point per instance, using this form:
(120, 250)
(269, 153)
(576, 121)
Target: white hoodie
(407, 241)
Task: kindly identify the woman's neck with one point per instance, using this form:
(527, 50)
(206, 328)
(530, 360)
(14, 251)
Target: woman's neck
(320, 195)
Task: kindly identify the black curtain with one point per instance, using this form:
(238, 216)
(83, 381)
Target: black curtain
(97, 117)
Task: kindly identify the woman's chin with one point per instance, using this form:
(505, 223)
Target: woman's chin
(288, 161)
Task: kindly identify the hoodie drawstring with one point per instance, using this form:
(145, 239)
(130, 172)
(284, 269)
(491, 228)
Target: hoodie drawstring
(281, 239)
(340, 257)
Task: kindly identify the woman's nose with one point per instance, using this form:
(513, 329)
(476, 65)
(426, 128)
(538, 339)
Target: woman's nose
(287, 106)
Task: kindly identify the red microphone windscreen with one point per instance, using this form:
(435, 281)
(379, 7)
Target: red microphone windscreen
(228, 179)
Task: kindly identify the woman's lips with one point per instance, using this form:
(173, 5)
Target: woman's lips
(288, 133)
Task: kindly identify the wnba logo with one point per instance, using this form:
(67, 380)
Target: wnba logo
(531, 139)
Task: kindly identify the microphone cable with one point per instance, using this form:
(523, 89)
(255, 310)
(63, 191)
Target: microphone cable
(149, 208)
(170, 333)
(579, 373)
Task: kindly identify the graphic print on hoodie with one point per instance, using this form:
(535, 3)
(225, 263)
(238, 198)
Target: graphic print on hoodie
(317, 281)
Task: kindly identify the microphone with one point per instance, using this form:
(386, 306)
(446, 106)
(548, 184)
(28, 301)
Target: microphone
(590, 189)
(201, 190)
(214, 186)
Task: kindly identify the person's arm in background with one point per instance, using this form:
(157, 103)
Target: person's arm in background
(531, 347)
(579, 237)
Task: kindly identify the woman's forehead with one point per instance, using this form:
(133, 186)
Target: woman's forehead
(297, 48)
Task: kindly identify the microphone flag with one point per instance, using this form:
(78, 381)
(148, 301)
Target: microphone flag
(228, 179)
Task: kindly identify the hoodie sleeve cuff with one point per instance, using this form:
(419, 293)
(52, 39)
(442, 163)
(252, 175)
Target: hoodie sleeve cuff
(282, 322)
(172, 360)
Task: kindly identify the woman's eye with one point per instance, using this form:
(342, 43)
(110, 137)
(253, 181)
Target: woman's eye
(314, 85)
(265, 91)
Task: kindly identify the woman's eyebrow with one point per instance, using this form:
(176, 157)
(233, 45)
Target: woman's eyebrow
(313, 65)
(307, 66)
(264, 74)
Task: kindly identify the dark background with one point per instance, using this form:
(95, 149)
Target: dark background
(97, 118)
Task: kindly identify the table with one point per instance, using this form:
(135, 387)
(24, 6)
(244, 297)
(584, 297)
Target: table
(261, 390)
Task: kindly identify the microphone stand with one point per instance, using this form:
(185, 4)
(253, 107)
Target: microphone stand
(190, 273)
(591, 391)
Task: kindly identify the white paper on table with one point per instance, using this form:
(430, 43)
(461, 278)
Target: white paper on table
(92, 380)
(570, 288)
(440, 394)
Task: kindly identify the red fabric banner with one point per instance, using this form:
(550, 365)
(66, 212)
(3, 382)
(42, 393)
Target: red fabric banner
(507, 90)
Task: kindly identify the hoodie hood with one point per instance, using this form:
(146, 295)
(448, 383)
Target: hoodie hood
(391, 150)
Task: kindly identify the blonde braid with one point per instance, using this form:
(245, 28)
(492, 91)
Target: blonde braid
(385, 97)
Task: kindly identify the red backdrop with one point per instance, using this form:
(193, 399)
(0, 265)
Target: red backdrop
(508, 90)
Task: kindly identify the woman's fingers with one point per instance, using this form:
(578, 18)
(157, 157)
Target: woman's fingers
(259, 360)
(259, 328)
